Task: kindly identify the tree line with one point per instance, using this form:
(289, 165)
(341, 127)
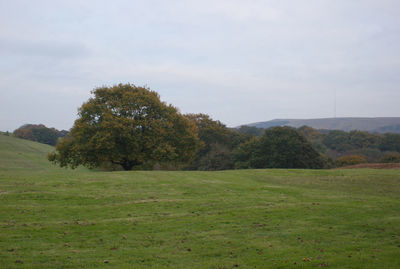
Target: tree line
(39, 133)
(369, 147)
(129, 127)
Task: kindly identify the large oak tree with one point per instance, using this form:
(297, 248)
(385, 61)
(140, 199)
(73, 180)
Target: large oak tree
(129, 126)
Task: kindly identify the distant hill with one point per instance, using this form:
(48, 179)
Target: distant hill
(373, 125)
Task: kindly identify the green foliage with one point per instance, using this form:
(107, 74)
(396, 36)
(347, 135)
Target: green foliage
(217, 143)
(129, 126)
(279, 147)
(337, 140)
(391, 157)
(218, 157)
(345, 141)
(209, 130)
(310, 133)
(350, 160)
(39, 133)
(246, 155)
(315, 137)
(339, 143)
(250, 130)
(390, 142)
(359, 139)
(373, 155)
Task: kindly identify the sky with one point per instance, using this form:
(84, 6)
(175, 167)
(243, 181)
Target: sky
(238, 61)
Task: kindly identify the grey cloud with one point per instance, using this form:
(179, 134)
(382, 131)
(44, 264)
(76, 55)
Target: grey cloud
(239, 61)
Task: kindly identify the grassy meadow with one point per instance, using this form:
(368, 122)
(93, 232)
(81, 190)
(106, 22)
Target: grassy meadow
(60, 218)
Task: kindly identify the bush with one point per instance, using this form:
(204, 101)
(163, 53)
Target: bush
(372, 155)
(350, 160)
(392, 157)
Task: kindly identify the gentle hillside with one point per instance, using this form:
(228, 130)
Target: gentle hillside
(16, 153)
(20, 157)
(378, 125)
(61, 218)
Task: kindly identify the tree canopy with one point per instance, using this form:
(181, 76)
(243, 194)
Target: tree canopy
(129, 126)
(39, 133)
(279, 147)
(336, 143)
(391, 142)
(217, 143)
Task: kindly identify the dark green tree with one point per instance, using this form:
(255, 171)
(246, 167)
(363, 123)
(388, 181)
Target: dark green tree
(39, 133)
(360, 139)
(390, 142)
(314, 136)
(279, 147)
(337, 140)
(250, 130)
(248, 154)
(128, 126)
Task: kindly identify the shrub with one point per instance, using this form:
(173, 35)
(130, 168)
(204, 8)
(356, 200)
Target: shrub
(350, 160)
(392, 157)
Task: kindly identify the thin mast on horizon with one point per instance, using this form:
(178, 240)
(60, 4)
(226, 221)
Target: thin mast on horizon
(334, 104)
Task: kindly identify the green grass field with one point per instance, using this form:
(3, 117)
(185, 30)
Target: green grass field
(58, 218)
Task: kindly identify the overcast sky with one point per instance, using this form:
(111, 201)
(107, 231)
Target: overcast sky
(238, 61)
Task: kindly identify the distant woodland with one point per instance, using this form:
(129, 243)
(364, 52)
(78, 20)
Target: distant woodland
(128, 127)
(39, 133)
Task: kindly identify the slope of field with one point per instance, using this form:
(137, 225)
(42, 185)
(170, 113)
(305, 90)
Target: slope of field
(379, 125)
(58, 218)
(16, 153)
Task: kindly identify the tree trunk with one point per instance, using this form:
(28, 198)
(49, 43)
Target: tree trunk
(128, 164)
